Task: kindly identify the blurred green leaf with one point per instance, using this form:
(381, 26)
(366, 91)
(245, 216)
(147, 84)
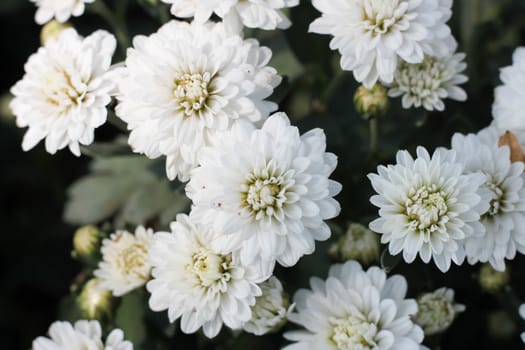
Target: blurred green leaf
(130, 317)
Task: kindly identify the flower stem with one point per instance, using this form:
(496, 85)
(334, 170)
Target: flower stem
(372, 126)
(115, 19)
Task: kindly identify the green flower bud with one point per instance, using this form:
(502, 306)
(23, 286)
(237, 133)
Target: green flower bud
(86, 241)
(358, 243)
(492, 281)
(94, 302)
(371, 103)
(436, 311)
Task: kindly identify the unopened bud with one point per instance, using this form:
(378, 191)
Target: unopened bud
(271, 309)
(51, 30)
(371, 103)
(358, 243)
(94, 302)
(5, 110)
(492, 281)
(436, 311)
(86, 241)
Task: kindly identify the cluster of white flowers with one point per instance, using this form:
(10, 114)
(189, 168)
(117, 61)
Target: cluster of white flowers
(465, 202)
(83, 335)
(61, 10)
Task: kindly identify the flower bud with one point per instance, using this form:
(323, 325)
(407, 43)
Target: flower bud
(86, 241)
(271, 309)
(51, 30)
(94, 302)
(358, 243)
(436, 311)
(492, 281)
(371, 103)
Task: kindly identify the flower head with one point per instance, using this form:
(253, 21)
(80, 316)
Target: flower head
(62, 10)
(264, 14)
(267, 190)
(186, 82)
(504, 186)
(374, 35)
(124, 264)
(86, 241)
(355, 309)
(94, 302)
(199, 284)
(427, 83)
(437, 310)
(427, 206)
(83, 335)
(65, 91)
(509, 99)
(271, 309)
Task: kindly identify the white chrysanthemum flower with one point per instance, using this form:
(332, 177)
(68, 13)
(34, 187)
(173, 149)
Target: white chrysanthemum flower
(271, 309)
(124, 264)
(61, 10)
(427, 83)
(373, 35)
(354, 309)
(188, 81)
(358, 243)
(197, 283)
(83, 335)
(504, 186)
(522, 314)
(65, 91)
(427, 206)
(437, 311)
(509, 99)
(264, 14)
(267, 190)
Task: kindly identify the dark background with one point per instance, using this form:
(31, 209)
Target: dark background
(36, 266)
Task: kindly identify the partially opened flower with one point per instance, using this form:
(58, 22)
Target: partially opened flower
(505, 187)
(374, 35)
(83, 335)
(263, 14)
(63, 95)
(428, 83)
(355, 309)
(124, 264)
(197, 283)
(427, 206)
(188, 81)
(266, 191)
(61, 10)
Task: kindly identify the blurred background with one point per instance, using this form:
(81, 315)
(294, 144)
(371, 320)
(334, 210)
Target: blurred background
(44, 198)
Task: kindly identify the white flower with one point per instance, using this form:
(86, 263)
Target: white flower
(264, 14)
(522, 314)
(83, 335)
(270, 310)
(427, 206)
(197, 283)
(188, 81)
(504, 186)
(267, 191)
(358, 243)
(124, 264)
(427, 83)
(373, 35)
(509, 99)
(357, 310)
(64, 93)
(59, 9)
(437, 310)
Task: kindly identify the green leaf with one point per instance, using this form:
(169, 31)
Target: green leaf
(130, 317)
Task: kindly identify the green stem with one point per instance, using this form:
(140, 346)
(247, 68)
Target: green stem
(164, 14)
(115, 20)
(372, 125)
